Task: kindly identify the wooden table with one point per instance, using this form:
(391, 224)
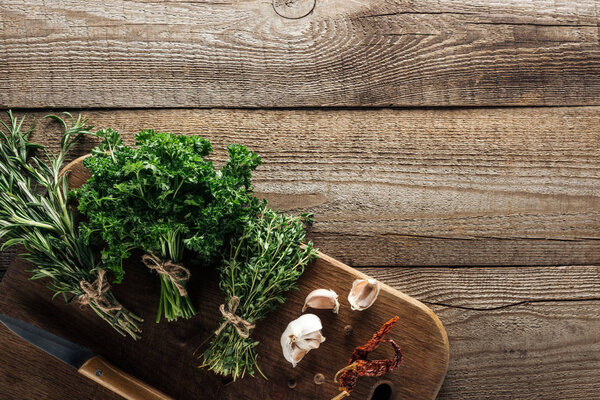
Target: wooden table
(449, 148)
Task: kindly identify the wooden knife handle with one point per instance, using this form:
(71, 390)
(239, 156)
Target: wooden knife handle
(100, 371)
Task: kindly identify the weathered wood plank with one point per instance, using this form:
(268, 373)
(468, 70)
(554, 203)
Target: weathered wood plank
(116, 53)
(526, 333)
(415, 187)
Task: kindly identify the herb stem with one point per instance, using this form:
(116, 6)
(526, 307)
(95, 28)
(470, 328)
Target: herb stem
(262, 265)
(34, 212)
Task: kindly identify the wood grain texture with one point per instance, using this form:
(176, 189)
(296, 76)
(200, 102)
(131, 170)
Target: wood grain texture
(116, 53)
(164, 357)
(515, 333)
(414, 187)
(107, 375)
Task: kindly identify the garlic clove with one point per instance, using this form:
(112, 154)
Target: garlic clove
(363, 294)
(310, 341)
(301, 335)
(305, 325)
(322, 299)
(296, 355)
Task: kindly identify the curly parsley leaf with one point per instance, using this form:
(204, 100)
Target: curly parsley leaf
(162, 196)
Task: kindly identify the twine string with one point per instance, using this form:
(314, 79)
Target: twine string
(177, 273)
(96, 292)
(241, 326)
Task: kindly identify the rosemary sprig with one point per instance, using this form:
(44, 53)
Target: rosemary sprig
(264, 263)
(34, 213)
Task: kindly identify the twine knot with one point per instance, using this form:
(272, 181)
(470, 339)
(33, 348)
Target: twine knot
(178, 274)
(96, 292)
(241, 326)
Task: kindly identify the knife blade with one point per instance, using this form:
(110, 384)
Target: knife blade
(84, 360)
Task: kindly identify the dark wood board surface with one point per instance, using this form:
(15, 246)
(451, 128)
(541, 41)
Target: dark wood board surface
(507, 186)
(164, 356)
(424, 340)
(118, 53)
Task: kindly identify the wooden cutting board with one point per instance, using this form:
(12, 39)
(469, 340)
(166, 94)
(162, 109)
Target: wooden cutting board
(164, 357)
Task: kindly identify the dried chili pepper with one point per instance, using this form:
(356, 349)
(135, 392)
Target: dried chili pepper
(358, 365)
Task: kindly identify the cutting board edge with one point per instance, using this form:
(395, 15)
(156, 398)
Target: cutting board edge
(403, 296)
(79, 175)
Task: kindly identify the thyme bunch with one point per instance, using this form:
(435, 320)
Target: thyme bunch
(263, 264)
(34, 213)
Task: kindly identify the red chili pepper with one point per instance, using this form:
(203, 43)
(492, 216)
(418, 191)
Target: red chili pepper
(358, 365)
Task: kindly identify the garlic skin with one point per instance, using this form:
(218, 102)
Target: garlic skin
(322, 299)
(301, 336)
(363, 294)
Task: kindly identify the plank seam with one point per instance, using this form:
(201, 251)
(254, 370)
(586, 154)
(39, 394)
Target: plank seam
(4, 107)
(518, 303)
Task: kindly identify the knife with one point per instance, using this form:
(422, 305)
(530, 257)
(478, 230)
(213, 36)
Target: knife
(85, 361)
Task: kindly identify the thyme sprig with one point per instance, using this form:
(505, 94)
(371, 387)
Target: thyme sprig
(34, 213)
(263, 264)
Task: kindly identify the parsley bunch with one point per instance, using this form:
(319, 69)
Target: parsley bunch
(163, 196)
(34, 213)
(263, 263)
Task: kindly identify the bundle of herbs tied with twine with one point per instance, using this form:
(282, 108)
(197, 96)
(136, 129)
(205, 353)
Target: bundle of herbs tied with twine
(263, 264)
(162, 196)
(34, 213)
